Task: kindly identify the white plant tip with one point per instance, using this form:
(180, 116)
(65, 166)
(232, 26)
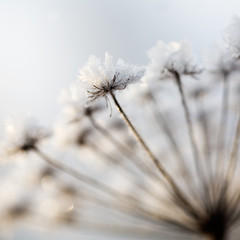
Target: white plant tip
(171, 58)
(99, 78)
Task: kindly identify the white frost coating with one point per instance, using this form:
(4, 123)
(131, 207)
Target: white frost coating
(99, 78)
(231, 35)
(169, 58)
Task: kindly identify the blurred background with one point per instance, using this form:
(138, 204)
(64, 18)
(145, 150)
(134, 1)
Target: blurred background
(43, 43)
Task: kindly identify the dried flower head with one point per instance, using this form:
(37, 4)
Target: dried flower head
(231, 35)
(219, 62)
(100, 78)
(23, 135)
(169, 59)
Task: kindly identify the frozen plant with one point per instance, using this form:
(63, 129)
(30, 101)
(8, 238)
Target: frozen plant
(232, 37)
(161, 172)
(102, 78)
(23, 135)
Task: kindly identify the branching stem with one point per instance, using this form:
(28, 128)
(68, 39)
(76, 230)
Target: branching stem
(187, 206)
(189, 124)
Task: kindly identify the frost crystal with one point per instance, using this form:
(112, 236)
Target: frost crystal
(100, 78)
(231, 35)
(167, 60)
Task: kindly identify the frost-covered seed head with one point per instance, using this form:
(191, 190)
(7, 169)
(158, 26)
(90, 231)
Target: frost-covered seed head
(167, 60)
(99, 78)
(231, 35)
(219, 62)
(23, 135)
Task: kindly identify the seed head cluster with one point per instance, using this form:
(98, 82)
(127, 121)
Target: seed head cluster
(158, 171)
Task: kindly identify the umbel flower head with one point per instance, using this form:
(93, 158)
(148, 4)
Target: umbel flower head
(99, 78)
(181, 179)
(170, 59)
(23, 135)
(231, 35)
(73, 108)
(220, 63)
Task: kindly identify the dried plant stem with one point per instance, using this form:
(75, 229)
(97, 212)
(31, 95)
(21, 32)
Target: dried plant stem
(86, 179)
(189, 125)
(163, 124)
(138, 163)
(178, 193)
(198, 166)
(220, 153)
(115, 228)
(140, 140)
(127, 200)
(125, 171)
(207, 154)
(234, 152)
(202, 116)
(118, 207)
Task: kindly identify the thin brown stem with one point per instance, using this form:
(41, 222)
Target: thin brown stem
(86, 179)
(164, 125)
(162, 122)
(187, 206)
(125, 171)
(204, 124)
(138, 163)
(126, 199)
(140, 139)
(220, 153)
(233, 156)
(189, 124)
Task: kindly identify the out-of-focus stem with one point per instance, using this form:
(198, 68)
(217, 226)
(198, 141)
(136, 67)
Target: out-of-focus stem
(125, 170)
(178, 193)
(85, 178)
(143, 167)
(189, 124)
(220, 153)
(126, 199)
(233, 156)
(162, 122)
